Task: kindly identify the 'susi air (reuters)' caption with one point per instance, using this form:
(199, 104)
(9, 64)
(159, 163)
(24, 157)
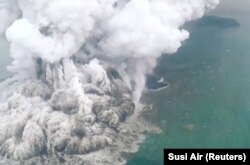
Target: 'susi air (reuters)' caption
(206, 156)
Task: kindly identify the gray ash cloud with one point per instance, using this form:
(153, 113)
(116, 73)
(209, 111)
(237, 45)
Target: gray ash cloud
(64, 112)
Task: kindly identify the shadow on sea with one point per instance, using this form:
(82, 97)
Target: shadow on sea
(216, 22)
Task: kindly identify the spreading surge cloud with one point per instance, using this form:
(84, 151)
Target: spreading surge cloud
(79, 69)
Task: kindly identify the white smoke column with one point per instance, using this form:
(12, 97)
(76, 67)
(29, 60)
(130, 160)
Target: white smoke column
(137, 30)
(144, 29)
(80, 67)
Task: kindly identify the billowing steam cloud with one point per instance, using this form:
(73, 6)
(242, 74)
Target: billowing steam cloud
(80, 69)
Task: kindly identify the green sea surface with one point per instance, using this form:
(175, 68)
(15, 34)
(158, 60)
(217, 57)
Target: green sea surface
(207, 104)
(4, 58)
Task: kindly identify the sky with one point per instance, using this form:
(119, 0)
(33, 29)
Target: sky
(232, 8)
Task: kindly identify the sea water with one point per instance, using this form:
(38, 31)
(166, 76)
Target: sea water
(4, 58)
(207, 104)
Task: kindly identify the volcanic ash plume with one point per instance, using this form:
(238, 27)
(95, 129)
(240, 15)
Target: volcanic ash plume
(79, 70)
